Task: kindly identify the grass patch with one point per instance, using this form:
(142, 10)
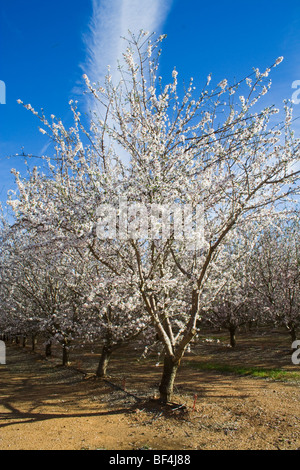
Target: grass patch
(274, 374)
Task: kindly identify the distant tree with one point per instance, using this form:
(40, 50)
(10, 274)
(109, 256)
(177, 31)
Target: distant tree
(234, 301)
(38, 290)
(276, 273)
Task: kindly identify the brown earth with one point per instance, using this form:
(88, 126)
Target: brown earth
(45, 406)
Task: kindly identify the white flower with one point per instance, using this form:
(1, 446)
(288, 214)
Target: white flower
(279, 60)
(223, 84)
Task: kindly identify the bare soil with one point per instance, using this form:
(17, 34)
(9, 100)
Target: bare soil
(49, 407)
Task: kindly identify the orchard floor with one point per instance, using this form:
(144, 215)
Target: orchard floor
(46, 406)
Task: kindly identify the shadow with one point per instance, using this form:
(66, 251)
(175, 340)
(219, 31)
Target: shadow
(29, 417)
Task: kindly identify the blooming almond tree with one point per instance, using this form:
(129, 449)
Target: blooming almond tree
(276, 273)
(235, 302)
(153, 156)
(116, 314)
(41, 289)
(17, 310)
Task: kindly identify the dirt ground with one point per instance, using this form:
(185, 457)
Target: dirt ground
(48, 407)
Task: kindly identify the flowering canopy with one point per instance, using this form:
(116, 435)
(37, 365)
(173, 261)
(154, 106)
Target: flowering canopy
(148, 144)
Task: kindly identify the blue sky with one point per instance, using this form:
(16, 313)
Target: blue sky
(45, 47)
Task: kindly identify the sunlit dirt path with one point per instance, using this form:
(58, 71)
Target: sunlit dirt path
(43, 406)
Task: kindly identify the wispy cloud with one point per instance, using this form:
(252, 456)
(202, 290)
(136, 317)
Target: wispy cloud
(111, 19)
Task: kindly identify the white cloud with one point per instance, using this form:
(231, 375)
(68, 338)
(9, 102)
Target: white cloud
(110, 21)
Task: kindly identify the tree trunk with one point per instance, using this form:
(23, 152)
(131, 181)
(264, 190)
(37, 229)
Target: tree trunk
(33, 343)
(48, 350)
(24, 341)
(292, 331)
(168, 378)
(104, 360)
(232, 330)
(65, 355)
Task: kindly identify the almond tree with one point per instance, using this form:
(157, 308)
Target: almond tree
(235, 302)
(41, 290)
(216, 150)
(276, 273)
(116, 315)
(14, 319)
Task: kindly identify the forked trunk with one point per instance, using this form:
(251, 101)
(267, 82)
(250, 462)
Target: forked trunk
(104, 361)
(168, 378)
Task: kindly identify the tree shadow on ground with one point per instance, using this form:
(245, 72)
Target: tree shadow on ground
(21, 417)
